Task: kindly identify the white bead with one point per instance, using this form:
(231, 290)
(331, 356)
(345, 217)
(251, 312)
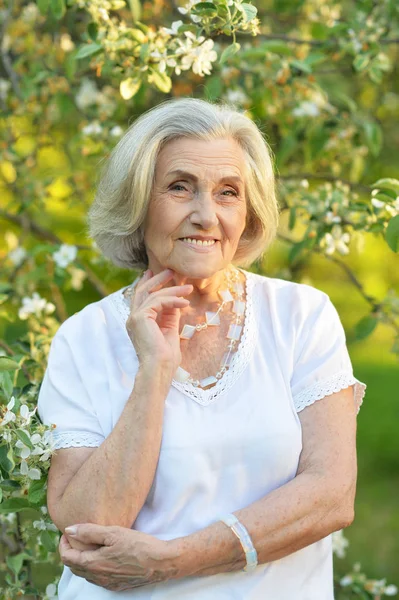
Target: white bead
(239, 307)
(212, 318)
(187, 332)
(234, 332)
(226, 296)
(239, 288)
(208, 381)
(226, 360)
(181, 375)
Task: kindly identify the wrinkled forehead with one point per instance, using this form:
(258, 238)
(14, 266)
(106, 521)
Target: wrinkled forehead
(204, 160)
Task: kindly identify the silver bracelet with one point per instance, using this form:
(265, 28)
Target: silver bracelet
(245, 539)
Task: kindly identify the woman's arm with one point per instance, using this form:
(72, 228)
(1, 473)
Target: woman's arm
(111, 485)
(318, 501)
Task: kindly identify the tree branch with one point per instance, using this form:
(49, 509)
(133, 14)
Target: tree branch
(373, 302)
(45, 234)
(5, 58)
(353, 185)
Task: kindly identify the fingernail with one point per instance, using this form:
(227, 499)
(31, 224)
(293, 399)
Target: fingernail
(71, 530)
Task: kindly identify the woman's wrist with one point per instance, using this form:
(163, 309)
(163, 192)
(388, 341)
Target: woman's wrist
(209, 551)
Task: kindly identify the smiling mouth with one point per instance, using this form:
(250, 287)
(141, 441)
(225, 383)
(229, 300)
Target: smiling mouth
(199, 243)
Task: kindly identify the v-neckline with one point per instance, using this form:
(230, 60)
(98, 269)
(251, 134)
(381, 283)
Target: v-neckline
(240, 358)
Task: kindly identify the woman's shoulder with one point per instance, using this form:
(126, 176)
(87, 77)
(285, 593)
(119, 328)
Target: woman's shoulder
(285, 293)
(93, 319)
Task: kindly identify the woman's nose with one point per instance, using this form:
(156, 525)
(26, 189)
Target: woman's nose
(204, 213)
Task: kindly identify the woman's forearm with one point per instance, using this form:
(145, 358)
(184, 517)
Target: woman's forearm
(301, 512)
(112, 484)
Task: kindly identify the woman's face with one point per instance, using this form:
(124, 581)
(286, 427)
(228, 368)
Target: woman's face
(198, 192)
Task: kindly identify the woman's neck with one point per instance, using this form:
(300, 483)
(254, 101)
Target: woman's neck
(205, 291)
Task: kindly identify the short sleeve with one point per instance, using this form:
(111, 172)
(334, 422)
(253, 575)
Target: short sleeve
(322, 365)
(64, 400)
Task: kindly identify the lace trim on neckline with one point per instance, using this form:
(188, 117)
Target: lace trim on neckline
(241, 357)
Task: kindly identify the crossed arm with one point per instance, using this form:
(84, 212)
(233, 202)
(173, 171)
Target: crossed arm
(318, 501)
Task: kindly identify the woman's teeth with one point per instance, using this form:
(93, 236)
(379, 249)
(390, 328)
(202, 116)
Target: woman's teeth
(199, 242)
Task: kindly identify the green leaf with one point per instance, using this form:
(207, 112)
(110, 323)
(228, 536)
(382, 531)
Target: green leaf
(14, 505)
(92, 30)
(250, 11)
(375, 74)
(48, 541)
(162, 81)
(88, 50)
(15, 562)
(205, 9)
(301, 66)
(135, 9)
(229, 52)
(297, 249)
(392, 234)
(385, 197)
(365, 327)
(287, 147)
(43, 6)
(6, 384)
(7, 463)
(9, 485)
(292, 219)
(361, 62)
(7, 364)
(37, 492)
(138, 35)
(58, 8)
(388, 183)
(373, 136)
(213, 88)
(129, 87)
(277, 47)
(25, 439)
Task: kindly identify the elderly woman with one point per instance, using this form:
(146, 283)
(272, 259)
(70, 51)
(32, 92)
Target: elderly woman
(205, 415)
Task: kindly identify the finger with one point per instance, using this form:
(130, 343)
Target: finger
(160, 303)
(90, 533)
(157, 281)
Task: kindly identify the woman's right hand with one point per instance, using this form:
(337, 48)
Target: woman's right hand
(153, 324)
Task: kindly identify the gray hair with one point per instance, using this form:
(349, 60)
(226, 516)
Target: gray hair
(116, 217)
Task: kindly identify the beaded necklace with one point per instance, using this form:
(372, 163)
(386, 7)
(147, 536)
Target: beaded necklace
(234, 293)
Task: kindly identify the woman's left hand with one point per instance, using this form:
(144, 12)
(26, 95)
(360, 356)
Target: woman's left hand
(124, 560)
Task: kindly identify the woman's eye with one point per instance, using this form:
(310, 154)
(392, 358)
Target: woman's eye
(177, 185)
(232, 192)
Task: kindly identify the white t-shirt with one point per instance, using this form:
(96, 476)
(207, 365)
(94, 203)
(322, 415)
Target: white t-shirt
(222, 448)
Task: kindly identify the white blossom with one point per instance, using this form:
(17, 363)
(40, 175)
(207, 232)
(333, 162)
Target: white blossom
(331, 218)
(336, 241)
(87, 95)
(116, 131)
(77, 278)
(174, 30)
(43, 525)
(347, 580)
(51, 591)
(65, 255)
(306, 109)
(187, 8)
(30, 13)
(9, 416)
(236, 97)
(391, 590)
(66, 42)
(26, 414)
(339, 543)
(35, 306)
(304, 184)
(17, 256)
(93, 128)
(30, 473)
(197, 54)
